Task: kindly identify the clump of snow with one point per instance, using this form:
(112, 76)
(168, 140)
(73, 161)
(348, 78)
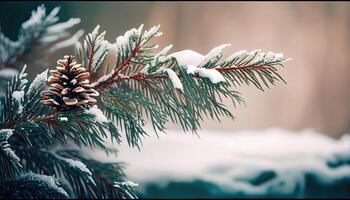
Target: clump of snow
(99, 116)
(164, 51)
(174, 79)
(63, 119)
(38, 83)
(214, 54)
(79, 165)
(126, 183)
(5, 134)
(214, 75)
(49, 180)
(18, 97)
(187, 57)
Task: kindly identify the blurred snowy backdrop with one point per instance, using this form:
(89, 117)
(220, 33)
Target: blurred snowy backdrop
(227, 160)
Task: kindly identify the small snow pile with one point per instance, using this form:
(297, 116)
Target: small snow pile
(63, 119)
(187, 57)
(99, 116)
(77, 164)
(49, 180)
(18, 98)
(214, 55)
(174, 79)
(190, 60)
(5, 134)
(214, 75)
(124, 40)
(38, 83)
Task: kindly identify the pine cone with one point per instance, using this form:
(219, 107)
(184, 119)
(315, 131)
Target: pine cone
(69, 85)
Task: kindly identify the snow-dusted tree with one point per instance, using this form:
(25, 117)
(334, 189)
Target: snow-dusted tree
(102, 91)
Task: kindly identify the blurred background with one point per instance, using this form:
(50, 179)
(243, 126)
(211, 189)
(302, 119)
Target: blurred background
(315, 34)
(247, 156)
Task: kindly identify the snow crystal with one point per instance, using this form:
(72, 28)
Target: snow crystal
(187, 57)
(69, 42)
(174, 79)
(18, 97)
(99, 116)
(214, 53)
(214, 75)
(38, 83)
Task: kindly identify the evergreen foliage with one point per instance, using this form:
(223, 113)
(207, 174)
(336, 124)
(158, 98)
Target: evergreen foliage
(136, 85)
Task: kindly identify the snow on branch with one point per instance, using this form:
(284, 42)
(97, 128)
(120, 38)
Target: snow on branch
(39, 29)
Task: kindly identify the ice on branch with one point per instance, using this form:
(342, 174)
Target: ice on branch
(174, 79)
(99, 116)
(164, 51)
(38, 83)
(18, 98)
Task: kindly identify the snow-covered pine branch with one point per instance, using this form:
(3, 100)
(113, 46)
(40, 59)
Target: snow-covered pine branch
(40, 29)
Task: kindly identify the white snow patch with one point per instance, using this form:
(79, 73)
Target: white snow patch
(174, 79)
(236, 55)
(99, 116)
(5, 134)
(38, 83)
(232, 160)
(63, 119)
(214, 75)
(49, 180)
(164, 51)
(18, 97)
(77, 164)
(214, 54)
(187, 57)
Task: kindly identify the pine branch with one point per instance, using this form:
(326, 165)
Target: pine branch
(40, 29)
(185, 86)
(31, 186)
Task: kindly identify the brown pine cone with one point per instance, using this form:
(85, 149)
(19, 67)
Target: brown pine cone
(69, 85)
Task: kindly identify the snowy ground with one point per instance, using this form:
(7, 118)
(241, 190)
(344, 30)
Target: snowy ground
(270, 163)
